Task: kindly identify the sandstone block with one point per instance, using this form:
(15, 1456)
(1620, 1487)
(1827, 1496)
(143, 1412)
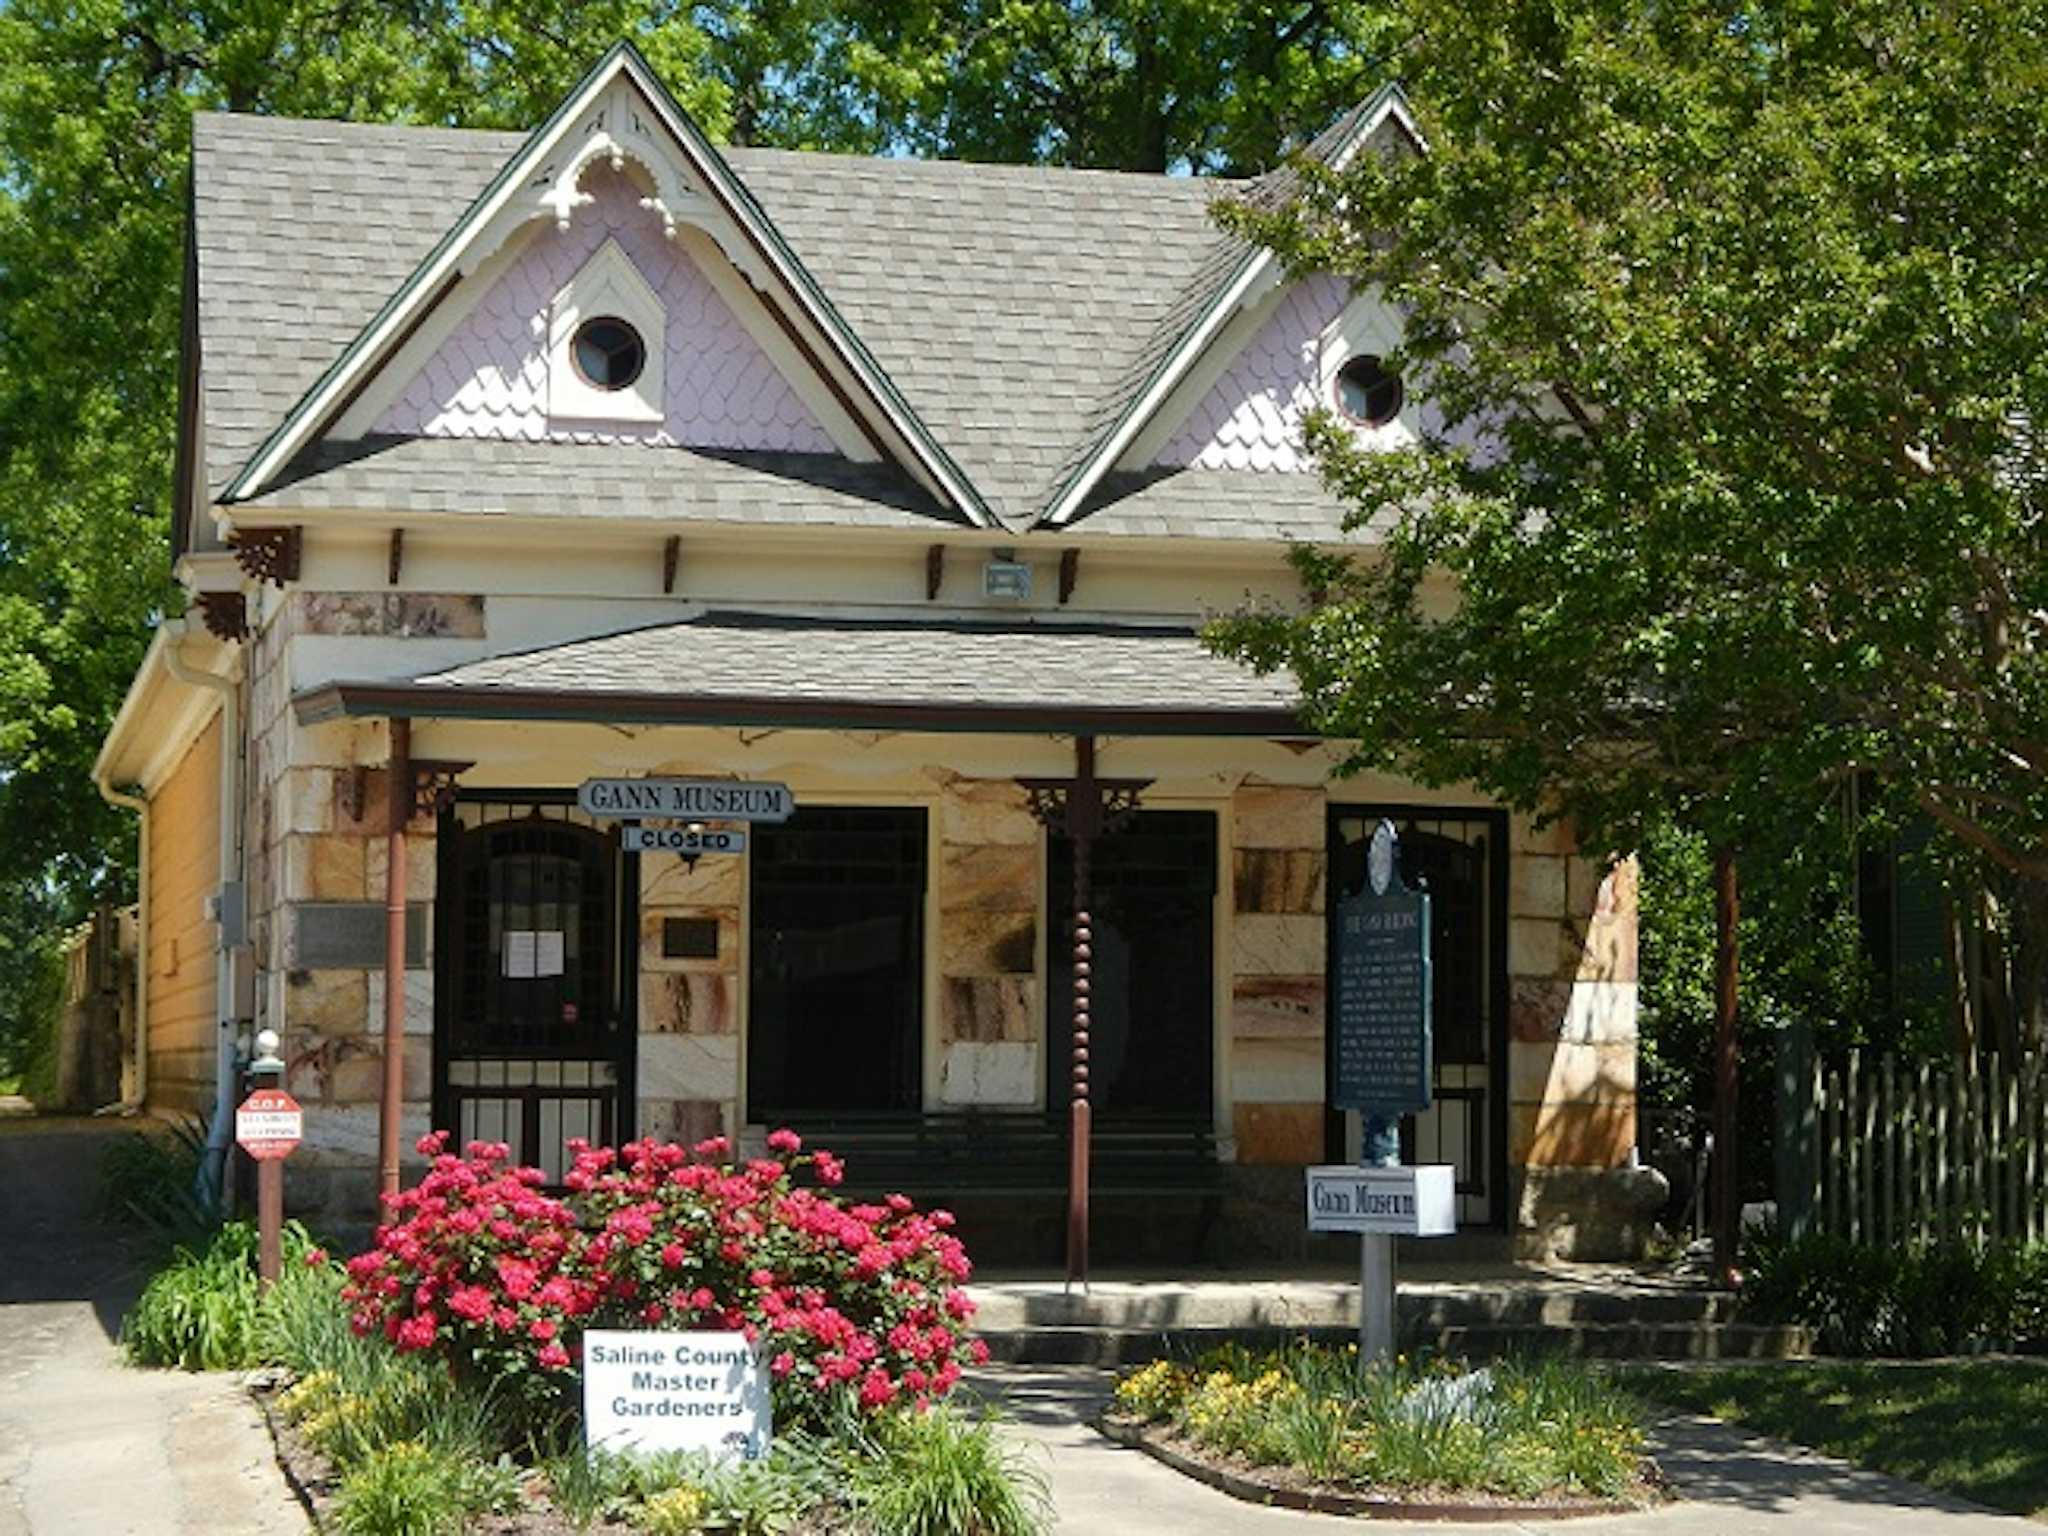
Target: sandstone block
(1286, 880)
(985, 811)
(1276, 944)
(989, 877)
(1277, 816)
(988, 1008)
(1289, 1134)
(1267, 1007)
(688, 1003)
(988, 943)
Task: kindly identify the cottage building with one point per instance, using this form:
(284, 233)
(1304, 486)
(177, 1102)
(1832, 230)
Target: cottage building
(512, 462)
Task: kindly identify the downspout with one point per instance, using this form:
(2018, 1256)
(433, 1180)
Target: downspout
(220, 1130)
(137, 1097)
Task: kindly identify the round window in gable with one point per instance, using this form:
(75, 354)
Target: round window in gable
(1368, 391)
(608, 353)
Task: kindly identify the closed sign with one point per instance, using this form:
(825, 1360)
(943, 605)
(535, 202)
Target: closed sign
(680, 840)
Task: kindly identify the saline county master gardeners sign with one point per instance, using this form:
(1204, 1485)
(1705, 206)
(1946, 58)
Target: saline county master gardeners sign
(675, 1392)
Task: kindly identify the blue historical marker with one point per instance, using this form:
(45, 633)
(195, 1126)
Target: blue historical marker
(1383, 1055)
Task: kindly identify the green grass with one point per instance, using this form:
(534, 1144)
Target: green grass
(1970, 1428)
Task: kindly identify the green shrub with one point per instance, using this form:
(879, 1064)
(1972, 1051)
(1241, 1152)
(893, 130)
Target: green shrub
(205, 1310)
(943, 1473)
(1908, 1300)
(150, 1180)
(678, 1511)
(404, 1489)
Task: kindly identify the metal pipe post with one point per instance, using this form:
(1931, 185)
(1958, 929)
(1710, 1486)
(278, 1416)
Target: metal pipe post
(1727, 1072)
(391, 1105)
(1080, 1129)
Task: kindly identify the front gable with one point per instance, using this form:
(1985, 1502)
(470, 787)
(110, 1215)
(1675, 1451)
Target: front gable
(753, 355)
(504, 369)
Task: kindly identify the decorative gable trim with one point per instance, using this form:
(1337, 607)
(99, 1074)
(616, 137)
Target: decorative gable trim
(1251, 280)
(615, 113)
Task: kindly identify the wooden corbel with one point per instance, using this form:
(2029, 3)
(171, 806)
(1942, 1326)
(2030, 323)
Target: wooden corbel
(671, 557)
(433, 784)
(226, 614)
(934, 571)
(1070, 571)
(396, 563)
(267, 554)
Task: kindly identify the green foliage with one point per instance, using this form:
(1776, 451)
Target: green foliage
(944, 1473)
(205, 1310)
(1904, 1300)
(149, 1180)
(403, 1489)
(1519, 1428)
(1728, 324)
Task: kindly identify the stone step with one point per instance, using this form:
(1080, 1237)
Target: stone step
(1057, 1344)
(1286, 1305)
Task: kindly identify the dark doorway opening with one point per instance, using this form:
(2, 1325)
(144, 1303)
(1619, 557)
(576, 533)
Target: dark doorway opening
(534, 990)
(835, 1016)
(1153, 994)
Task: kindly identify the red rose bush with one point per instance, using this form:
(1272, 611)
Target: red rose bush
(482, 1266)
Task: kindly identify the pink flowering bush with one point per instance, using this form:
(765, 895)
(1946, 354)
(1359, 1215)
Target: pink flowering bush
(483, 1267)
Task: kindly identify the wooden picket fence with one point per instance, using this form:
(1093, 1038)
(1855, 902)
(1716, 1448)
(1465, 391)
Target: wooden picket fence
(1906, 1151)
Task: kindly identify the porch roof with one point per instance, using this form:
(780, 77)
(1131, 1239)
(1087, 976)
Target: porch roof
(733, 669)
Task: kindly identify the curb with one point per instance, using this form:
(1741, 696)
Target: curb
(1253, 1490)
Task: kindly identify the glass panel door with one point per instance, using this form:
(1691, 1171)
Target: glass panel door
(1460, 858)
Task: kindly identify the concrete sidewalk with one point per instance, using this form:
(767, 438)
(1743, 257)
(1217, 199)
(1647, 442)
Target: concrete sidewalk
(1732, 1483)
(88, 1445)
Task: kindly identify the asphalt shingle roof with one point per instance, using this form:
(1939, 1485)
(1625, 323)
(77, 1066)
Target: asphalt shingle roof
(1019, 310)
(910, 662)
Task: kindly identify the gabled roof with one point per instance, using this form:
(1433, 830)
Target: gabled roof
(1232, 268)
(1025, 322)
(778, 267)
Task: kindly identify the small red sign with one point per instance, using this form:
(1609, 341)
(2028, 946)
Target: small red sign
(269, 1124)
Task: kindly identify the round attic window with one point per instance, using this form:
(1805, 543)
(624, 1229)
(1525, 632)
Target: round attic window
(608, 353)
(1368, 391)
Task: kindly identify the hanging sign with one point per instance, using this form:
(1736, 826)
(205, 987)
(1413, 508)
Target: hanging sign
(646, 1391)
(269, 1124)
(689, 842)
(1380, 978)
(1398, 1202)
(686, 799)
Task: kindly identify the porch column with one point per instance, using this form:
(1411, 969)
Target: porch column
(1083, 807)
(390, 1106)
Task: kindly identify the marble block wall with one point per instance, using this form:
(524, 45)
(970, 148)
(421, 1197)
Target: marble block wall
(1277, 939)
(1572, 1048)
(990, 1026)
(689, 1048)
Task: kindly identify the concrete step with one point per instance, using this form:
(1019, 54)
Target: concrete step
(1067, 1344)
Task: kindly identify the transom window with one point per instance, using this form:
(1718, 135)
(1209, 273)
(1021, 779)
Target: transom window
(608, 352)
(1368, 391)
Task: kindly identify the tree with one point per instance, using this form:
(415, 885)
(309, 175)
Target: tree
(1730, 324)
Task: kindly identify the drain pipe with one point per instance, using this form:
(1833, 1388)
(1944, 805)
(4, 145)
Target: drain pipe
(137, 1096)
(220, 1131)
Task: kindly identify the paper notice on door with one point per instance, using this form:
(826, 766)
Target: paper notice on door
(529, 954)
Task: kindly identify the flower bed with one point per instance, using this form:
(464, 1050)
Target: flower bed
(1309, 1425)
(434, 1386)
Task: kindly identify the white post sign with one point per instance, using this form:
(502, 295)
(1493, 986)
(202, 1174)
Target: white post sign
(1409, 1200)
(645, 1391)
(686, 799)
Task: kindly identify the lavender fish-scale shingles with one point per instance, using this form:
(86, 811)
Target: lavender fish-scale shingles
(489, 378)
(1251, 417)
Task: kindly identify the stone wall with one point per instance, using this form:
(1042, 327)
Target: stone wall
(1277, 939)
(991, 1024)
(689, 1048)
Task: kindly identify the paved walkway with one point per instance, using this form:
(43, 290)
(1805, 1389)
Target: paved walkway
(1733, 1483)
(89, 1447)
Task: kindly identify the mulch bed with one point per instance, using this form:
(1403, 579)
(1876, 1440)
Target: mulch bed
(1288, 1488)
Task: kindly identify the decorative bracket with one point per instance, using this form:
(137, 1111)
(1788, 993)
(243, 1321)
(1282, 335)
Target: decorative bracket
(433, 784)
(671, 555)
(396, 563)
(934, 571)
(1056, 806)
(267, 554)
(1070, 570)
(226, 614)
(355, 791)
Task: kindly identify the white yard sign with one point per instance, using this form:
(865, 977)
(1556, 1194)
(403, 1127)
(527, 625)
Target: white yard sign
(675, 1392)
(1408, 1201)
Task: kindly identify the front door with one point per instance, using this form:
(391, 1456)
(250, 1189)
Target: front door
(533, 988)
(1152, 987)
(1461, 859)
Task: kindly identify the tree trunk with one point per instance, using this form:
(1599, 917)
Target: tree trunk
(1727, 1189)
